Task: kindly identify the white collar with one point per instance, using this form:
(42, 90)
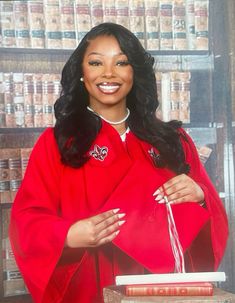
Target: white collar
(123, 136)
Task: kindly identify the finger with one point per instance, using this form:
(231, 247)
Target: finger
(105, 215)
(108, 239)
(109, 222)
(175, 189)
(162, 190)
(104, 233)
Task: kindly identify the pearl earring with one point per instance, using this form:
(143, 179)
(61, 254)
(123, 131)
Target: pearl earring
(81, 79)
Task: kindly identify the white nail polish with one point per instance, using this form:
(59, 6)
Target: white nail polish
(121, 216)
(116, 210)
(159, 197)
(157, 192)
(121, 222)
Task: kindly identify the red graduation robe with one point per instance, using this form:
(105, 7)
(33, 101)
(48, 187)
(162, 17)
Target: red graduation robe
(54, 196)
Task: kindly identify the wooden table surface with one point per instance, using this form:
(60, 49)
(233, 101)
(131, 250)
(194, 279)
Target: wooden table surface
(17, 299)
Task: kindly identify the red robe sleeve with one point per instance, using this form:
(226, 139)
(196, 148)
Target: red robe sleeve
(37, 232)
(211, 243)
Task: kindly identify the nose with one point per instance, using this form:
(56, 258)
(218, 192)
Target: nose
(108, 71)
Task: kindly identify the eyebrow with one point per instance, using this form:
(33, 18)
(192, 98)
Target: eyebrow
(100, 54)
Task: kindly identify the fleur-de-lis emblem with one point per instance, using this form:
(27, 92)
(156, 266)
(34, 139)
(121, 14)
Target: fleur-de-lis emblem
(156, 157)
(152, 153)
(99, 153)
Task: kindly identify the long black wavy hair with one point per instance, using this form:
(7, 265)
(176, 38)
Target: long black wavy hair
(76, 127)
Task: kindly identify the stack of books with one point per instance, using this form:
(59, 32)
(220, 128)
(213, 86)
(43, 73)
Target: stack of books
(173, 284)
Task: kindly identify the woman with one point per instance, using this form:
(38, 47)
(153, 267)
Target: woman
(91, 205)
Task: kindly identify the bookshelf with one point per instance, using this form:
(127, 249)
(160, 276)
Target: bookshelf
(32, 56)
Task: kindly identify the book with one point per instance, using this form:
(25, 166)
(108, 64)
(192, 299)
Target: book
(179, 25)
(202, 24)
(67, 20)
(165, 24)
(36, 24)
(122, 12)
(190, 24)
(52, 17)
(82, 18)
(7, 23)
(171, 278)
(114, 294)
(170, 289)
(152, 24)
(22, 32)
(96, 12)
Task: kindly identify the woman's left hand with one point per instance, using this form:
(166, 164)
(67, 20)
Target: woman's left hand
(179, 189)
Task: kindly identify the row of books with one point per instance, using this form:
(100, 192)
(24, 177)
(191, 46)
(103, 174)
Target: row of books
(174, 95)
(13, 283)
(26, 99)
(13, 162)
(60, 24)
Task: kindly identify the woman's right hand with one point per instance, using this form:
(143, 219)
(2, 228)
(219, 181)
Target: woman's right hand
(95, 231)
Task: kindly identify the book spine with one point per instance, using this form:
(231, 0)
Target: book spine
(8, 100)
(15, 175)
(37, 100)
(7, 24)
(18, 98)
(165, 19)
(10, 174)
(174, 99)
(122, 12)
(158, 290)
(25, 154)
(28, 99)
(36, 24)
(2, 103)
(82, 18)
(4, 178)
(109, 11)
(152, 24)
(179, 25)
(21, 24)
(52, 24)
(137, 19)
(96, 12)
(184, 96)
(190, 24)
(67, 24)
(201, 24)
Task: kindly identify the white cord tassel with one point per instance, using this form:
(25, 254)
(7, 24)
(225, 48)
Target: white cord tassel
(174, 238)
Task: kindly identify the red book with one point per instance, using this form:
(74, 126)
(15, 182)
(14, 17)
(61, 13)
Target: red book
(170, 289)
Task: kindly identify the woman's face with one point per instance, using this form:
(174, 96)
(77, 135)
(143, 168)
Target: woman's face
(107, 74)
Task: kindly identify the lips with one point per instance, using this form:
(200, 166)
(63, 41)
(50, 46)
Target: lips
(108, 87)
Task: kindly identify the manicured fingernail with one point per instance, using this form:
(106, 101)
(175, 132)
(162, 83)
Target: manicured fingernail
(157, 192)
(159, 197)
(121, 216)
(116, 210)
(121, 222)
(162, 201)
(117, 232)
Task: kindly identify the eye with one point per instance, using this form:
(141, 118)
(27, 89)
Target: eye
(123, 63)
(95, 63)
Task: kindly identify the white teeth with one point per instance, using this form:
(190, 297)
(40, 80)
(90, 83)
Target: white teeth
(108, 87)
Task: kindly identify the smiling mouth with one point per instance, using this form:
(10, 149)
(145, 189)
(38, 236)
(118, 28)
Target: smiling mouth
(108, 88)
